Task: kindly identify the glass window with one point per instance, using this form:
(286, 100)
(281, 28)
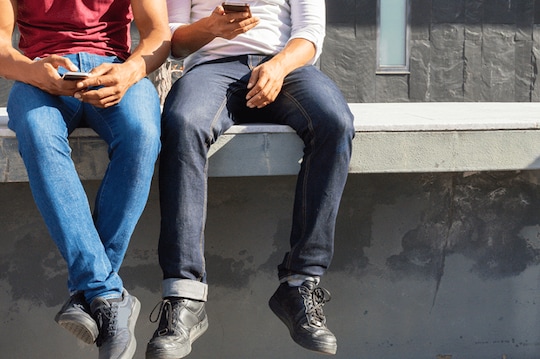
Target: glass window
(393, 36)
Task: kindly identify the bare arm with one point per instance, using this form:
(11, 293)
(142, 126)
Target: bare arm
(267, 79)
(15, 66)
(154, 46)
(190, 38)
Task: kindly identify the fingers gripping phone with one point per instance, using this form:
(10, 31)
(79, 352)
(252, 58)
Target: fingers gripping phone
(236, 7)
(75, 76)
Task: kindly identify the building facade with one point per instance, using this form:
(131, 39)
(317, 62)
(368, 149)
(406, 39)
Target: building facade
(459, 50)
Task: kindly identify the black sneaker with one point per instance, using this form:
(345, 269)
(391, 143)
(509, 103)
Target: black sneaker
(116, 320)
(300, 308)
(182, 322)
(74, 316)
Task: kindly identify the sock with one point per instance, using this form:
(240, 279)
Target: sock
(296, 280)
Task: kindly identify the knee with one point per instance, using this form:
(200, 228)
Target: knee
(34, 134)
(337, 122)
(142, 137)
(181, 127)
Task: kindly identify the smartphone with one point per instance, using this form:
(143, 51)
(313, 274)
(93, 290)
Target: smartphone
(75, 76)
(236, 7)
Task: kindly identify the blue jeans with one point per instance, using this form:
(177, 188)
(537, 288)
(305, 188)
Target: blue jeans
(203, 104)
(92, 243)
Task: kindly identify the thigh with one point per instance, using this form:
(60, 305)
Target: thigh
(309, 100)
(137, 115)
(32, 110)
(198, 101)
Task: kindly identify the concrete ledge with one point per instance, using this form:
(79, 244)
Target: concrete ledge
(390, 138)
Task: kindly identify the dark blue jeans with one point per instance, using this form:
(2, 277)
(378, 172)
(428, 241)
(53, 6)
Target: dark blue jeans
(203, 104)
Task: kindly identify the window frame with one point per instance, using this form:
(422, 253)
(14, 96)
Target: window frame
(394, 69)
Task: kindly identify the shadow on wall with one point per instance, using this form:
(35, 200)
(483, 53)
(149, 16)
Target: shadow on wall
(482, 217)
(363, 13)
(30, 263)
(490, 218)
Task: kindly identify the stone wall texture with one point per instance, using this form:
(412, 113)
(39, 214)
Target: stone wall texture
(460, 50)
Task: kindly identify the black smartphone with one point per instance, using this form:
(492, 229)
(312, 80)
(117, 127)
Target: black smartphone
(236, 7)
(75, 75)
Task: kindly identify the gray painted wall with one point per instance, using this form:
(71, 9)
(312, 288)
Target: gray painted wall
(425, 266)
(461, 50)
(434, 266)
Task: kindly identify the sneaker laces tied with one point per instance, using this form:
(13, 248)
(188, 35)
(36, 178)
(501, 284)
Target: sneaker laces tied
(106, 319)
(314, 300)
(167, 314)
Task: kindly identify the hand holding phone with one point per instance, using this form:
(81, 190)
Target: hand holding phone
(75, 75)
(236, 7)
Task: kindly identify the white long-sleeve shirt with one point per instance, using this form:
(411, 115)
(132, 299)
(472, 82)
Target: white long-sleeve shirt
(280, 22)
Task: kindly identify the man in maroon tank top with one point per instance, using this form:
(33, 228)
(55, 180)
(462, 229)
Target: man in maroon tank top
(119, 103)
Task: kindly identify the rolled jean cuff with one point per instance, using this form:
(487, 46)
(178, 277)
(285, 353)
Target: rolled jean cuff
(185, 288)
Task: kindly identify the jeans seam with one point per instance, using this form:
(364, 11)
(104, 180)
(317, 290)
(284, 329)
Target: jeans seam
(209, 142)
(105, 180)
(212, 139)
(203, 222)
(307, 164)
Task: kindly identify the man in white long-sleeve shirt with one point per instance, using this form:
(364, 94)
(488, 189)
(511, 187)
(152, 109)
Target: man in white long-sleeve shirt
(239, 67)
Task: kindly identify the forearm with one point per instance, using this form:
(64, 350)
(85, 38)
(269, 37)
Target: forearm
(266, 80)
(149, 54)
(13, 64)
(297, 53)
(154, 34)
(189, 38)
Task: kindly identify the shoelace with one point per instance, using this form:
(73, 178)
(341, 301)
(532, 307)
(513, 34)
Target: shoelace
(106, 319)
(314, 301)
(167, 314)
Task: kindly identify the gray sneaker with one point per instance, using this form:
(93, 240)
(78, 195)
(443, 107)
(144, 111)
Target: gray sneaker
(74, 316)
(116, 320)
(182, 322)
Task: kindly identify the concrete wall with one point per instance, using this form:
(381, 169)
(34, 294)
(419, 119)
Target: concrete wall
(425, 266)
(461, 50)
